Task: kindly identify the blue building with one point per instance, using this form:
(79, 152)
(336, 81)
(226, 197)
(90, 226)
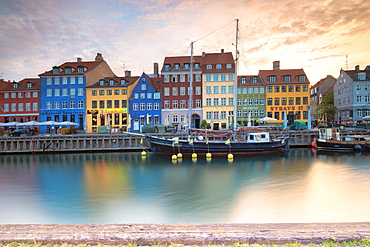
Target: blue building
(145, 103)
(62, 91)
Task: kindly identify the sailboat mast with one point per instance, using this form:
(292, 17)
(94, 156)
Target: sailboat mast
(236, 73)
(190, 103)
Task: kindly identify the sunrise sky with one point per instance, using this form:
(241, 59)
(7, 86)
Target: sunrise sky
(315, 35)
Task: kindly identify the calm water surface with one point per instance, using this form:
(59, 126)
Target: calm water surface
(300, 186)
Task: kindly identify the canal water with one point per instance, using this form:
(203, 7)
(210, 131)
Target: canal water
(297, 186)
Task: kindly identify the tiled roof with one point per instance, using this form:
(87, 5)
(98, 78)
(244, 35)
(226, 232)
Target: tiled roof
(294, 73)
(353, 74)
(130, 80)
(248, 81)
(155, 82)
(88, 65)
(8, 86)
(181, 60)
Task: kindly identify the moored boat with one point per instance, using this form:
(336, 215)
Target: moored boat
(331, 139)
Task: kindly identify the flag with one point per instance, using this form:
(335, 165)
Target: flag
(141, 141)
(191, 142)
(227, 142)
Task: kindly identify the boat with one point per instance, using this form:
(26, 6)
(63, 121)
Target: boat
(220, 142)
(331, 139)
(236, 141)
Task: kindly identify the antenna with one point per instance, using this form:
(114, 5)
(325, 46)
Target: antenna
(123, 65)
(347, 61)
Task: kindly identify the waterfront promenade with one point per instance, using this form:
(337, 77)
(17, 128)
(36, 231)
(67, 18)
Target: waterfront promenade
(185, 234)
(121, 142)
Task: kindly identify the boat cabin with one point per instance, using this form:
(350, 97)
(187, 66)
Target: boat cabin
(258, 137)
(329, 134)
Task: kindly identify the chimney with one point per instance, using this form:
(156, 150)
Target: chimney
(79, 60)
(222, 50)
(155, 70)
(127, 73)
(99, 57)
(203, 54)
(276, 65)
(357, 67)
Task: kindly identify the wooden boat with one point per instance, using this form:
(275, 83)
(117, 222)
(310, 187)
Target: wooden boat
(331, 139)
(219, 142)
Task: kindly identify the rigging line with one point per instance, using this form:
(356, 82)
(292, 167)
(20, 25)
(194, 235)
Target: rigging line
(215, 31)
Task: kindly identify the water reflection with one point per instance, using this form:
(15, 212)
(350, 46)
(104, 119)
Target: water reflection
(298, 186)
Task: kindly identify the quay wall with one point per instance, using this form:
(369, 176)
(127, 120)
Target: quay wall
(185, 234)
(120, 142)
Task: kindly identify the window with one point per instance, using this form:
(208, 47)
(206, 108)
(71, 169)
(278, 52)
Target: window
(215, 89)
(269, 101)
(149, 106)
(305, 100)
(262, 101)
(174, 118)
(166, 91)
(231, 89)
(65, 92)
(276, 89)
(215, 77)
(291, 101)
(301, 78)
(305, 88)
(209, 115)
(186, 66)
(231, 77)
(198, 90)
(183, 104)
(72, 104)
(291, 88)
(124, 103)
(287, 78)
(135, 106)
(298, 100)
(80, 69)
(109, 92)
(101, 104)
(208, 90)
(218, 66)
(358, 98)
(94, 104)
(80, 92)
(208, 102)
(64, 105)
(166, 104)
(182, 78)
(231, 101)
(57, 92)
(215, 115)
(209, 66)
(48, 81)
(269, 89)
(223, 114)
(174, 78)
(198, 78)
(243, 81)
(254, 80)
(149, 95)
(198, 103)
(80, 104)
(109, 103)
(166, 78)
(49, 93)
(35, 106)
(157, 95)
(101, 92)
(182, 90)
(48, 105)
(297, 88)
(56, 81)
(80, 80)
(358, 87)
(175, 104)
(215, 101)
(277, 101)
(94, 92)
(143, 86)
(73, 80)
(124, 91)
(156, 106)
(116, 92)
(283, 101)
(174, 91)
(72, 92)
(65, 80)
(271, 78)
(208, 77)
(142, 95)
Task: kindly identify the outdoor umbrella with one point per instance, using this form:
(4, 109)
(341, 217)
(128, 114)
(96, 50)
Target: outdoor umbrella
(30, 123)
(264, 119)
(68, 123)
(10, 124)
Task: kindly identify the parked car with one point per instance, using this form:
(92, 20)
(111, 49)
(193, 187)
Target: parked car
(19, 132)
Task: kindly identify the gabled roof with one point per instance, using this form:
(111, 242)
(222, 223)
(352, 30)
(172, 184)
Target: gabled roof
(181, 60)
(222, 58)
(354, 74)
(130, 80)
(155, 82)
(22, 85)
(248, 81)
(294, 73)
(88, 65)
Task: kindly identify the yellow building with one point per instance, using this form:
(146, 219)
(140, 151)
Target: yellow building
(218, 89)
(287, 90)
(107, 104)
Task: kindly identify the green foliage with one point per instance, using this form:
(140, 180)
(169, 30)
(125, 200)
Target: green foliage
(203, 124)
(71, 130)
(326, 109)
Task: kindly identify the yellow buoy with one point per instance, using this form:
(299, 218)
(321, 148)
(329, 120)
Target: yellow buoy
(194, 155)
(208, 155)
(179, 155)
(143, 153)
(174, 157)
(230, 156)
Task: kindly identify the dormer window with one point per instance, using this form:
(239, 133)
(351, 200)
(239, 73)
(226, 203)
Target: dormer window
(361, 76)
(56, 70)
(186, 66)
(287, 78)
(176, 66)
(29, 84)
(15, 85)
(123, 82)
(243, 80)
(218, 66)
(209, 66)
(301, 78)
(68, 70)
(167, 67)
(271, 78)
(80, 69)
(196, 66)
(111, 82)
(229, 66)
(101, 82)
(254, 80)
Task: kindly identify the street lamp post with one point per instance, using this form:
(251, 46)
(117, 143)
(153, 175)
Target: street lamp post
(309, 117)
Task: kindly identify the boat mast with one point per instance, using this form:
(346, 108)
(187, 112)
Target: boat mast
(236, 73)
(190, 103)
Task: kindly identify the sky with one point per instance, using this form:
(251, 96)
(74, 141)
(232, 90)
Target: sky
(320, 36)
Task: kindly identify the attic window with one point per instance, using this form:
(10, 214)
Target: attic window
(15, 85)
(68, 70)
(218, 66)
(254, 80)
(271, 78)
(301, 78)
(80, 69)
(287, 78)
(123, 82)
(196, 66)
(243, 80)
(111, 82)
(229, 66)
(167, 67)
(177, 66)
(55, 70)
(361, 76)
(186, 66)
(29, 84)
(209, 66)
(101, 82)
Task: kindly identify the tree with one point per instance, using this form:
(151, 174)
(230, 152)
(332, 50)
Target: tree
(326, 109)
(203, 124)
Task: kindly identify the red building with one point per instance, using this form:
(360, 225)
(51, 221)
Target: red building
(19, 101)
